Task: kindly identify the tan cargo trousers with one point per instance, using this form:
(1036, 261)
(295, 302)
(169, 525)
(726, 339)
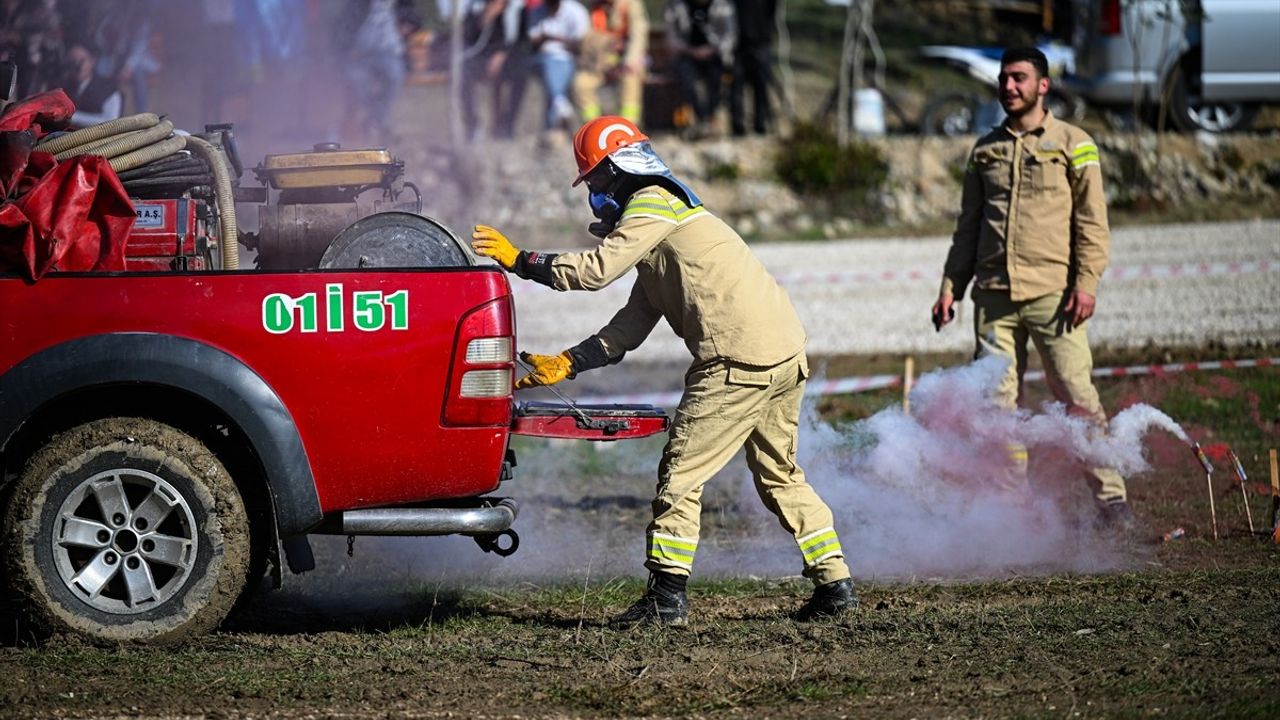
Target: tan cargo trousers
(727, 406)
(586, 93)
(1003, 327)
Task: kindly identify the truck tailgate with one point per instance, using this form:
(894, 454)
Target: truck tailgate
(588, 422)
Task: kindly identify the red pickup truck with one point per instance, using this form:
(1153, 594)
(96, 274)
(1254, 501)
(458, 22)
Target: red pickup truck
(169, 438)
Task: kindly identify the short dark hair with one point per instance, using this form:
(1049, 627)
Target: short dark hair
(1027, 54)
(87, 45)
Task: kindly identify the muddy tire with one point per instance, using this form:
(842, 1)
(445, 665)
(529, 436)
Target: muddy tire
(126, 530)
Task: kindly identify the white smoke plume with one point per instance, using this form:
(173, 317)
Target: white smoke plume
(921, 493)
(914, 496)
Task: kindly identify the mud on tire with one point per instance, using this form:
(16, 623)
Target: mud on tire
(126, 529)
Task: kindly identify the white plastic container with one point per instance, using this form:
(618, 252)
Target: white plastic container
(868, 117)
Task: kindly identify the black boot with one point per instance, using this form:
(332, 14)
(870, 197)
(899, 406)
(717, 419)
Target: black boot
(663, 603)
(829, 600)
(1116, 517)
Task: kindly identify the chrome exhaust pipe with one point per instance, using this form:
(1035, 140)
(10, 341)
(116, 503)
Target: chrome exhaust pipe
(487, 520)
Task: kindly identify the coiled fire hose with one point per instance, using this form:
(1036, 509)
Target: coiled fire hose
(116, 145)
(226, 200)
(134, 142)
(84, 136)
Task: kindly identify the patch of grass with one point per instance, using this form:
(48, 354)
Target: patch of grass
(1194, 634)
(723, 171)
(812, 163)
(1185, 642)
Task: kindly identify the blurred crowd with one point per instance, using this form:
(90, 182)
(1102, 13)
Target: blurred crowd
(100, 53)
(576, 50)
(588, 56)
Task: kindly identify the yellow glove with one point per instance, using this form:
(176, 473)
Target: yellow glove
(489, 242)
(547, 369)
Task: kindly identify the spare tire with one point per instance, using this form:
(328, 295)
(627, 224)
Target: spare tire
(396, 240)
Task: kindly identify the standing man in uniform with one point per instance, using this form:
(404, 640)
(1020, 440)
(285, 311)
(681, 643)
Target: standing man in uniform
(1032, 235)
(753, 66)
(613, 52)
(747, 379)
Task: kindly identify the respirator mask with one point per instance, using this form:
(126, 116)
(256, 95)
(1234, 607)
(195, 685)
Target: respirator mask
(604, 206)
(629, 168)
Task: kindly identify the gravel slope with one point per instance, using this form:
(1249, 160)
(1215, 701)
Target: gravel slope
(1170, 285)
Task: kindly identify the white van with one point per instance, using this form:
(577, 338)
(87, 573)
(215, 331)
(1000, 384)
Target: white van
(1209, 62)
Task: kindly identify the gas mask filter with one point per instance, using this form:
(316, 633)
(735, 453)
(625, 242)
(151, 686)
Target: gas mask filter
(603, 206)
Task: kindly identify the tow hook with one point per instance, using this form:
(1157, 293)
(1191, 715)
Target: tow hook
(492, 543)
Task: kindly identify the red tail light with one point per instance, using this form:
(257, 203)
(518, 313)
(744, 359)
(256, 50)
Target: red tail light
(1109, 19)
(480, 378)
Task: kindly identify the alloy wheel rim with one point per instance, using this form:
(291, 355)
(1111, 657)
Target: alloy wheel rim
(957, 122)
(124, 541)
(1216, 117)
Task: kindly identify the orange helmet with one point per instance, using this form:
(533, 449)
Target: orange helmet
(597, 138)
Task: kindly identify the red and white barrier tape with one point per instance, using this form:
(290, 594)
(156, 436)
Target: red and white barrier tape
(1120, 273)
(1171, 368)
(845, 386)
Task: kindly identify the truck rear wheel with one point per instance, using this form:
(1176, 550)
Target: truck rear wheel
(127, 529)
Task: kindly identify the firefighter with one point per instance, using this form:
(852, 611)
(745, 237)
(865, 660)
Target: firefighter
(1032, 234)
(747, 379)
(613, 52)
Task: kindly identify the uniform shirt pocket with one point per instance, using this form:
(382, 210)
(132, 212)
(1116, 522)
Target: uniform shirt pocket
(1048, 172)
(995, 167)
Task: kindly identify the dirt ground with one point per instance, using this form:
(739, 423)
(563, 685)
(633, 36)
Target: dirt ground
(1188, 627)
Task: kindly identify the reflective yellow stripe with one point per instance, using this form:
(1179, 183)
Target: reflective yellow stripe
(682, 210)
(660, 209)
(819, 546)
(819, 554)
(663, 209)
(1084, 154)
(667, 216)
(671, 550)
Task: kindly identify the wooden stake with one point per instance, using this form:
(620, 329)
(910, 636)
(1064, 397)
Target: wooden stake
(1213, 513)
(908, 380)
(1244, 480)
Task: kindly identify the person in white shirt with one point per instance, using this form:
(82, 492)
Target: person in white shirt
(555, 30)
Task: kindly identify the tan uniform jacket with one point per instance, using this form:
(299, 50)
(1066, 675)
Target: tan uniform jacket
(627, 19)
(696, 272)
(1033, 219)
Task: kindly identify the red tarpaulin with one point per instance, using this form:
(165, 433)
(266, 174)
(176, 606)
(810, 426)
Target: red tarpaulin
(41, 113)
(69, 216)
